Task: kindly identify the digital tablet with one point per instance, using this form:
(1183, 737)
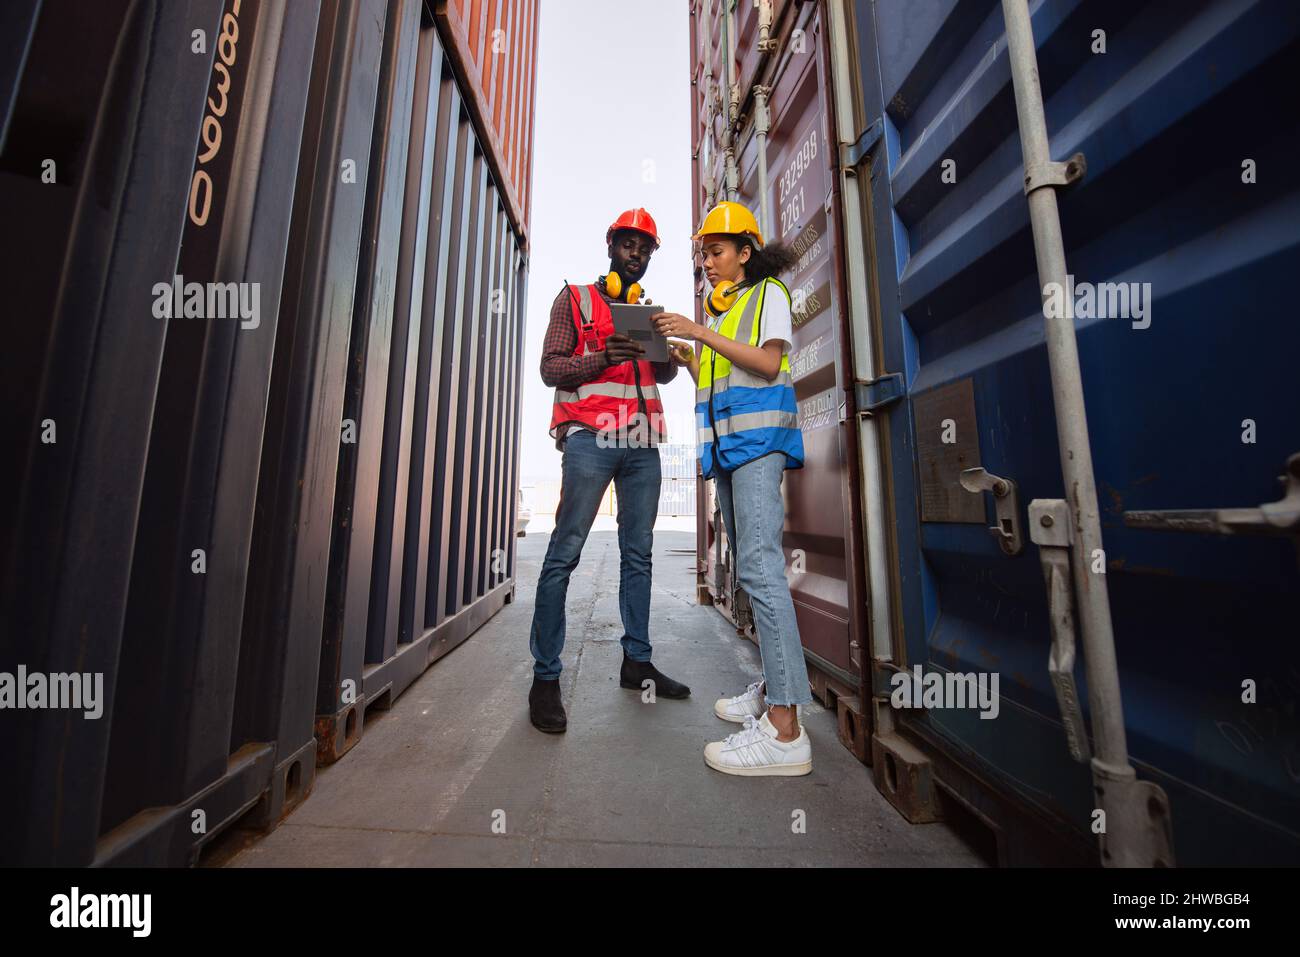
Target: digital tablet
(634, 322)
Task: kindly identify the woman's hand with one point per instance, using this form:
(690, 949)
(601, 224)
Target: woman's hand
(671, 324)
(681, 353)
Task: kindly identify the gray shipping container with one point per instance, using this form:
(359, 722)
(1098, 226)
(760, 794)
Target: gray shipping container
(678, 460)
(254, 527)
(677, 497)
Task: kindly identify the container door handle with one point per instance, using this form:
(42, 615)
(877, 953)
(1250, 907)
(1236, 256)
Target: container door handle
(1051, 531)
(1273, 518)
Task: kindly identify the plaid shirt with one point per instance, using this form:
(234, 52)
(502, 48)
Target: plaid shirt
(561, 369)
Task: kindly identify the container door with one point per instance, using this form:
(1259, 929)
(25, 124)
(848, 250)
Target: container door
(1187, 250)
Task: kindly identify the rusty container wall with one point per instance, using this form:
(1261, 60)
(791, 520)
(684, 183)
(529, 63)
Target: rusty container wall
(491, 45)
(822, 540)
(252, 528)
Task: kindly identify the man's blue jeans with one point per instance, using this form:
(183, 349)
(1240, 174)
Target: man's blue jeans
(588, 469)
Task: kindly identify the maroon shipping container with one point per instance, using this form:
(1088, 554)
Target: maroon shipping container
(776, 52)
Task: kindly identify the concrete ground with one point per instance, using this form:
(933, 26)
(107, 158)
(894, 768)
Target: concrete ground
(454, 773)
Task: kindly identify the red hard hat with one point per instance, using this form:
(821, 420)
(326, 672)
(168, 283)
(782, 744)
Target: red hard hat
(637, 219)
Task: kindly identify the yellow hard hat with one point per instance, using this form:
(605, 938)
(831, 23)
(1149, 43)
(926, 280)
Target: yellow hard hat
(732, 218)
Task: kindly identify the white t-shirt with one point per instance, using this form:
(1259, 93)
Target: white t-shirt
(776, 321)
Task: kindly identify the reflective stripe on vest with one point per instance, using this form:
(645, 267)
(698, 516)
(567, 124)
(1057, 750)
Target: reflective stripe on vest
(616, 390)
(741, 416)
(610, 402)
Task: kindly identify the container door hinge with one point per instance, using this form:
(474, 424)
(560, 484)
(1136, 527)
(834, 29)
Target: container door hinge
(872, 395)
(852, 154)
(1006, 505)
(1051, 530)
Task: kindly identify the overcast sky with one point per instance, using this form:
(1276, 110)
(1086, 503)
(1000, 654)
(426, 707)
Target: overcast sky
(613, 131)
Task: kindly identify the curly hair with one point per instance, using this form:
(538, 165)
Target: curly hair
(767, 262)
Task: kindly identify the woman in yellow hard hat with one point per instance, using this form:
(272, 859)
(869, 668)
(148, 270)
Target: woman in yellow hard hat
(748, 435)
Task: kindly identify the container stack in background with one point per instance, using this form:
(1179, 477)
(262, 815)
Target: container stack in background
(678, 466)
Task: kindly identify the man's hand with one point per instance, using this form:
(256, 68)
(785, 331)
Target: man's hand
(620, 348)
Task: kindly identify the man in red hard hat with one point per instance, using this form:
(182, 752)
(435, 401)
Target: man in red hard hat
(608, 420)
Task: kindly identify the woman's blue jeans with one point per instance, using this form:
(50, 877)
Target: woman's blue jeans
(754, 513)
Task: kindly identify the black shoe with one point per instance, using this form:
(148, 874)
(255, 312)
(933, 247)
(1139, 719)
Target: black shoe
(634, 673)
(545, 707)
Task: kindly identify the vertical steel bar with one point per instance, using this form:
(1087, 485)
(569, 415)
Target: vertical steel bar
(1072, 430)
(875, 510)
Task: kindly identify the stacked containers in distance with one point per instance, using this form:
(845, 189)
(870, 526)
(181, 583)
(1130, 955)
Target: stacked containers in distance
(279, 518)
(678, 465)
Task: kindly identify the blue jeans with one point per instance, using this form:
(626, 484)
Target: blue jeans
(588, 469)
(754, 513)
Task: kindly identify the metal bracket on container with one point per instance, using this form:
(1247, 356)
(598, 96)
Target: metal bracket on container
(852, 154)
(1006, 506)
(1272, 518)
(1051, 529)
(1143, 834)
(1055, 174)
(872, 395)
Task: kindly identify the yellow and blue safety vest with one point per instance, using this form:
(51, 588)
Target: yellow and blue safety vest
(741, 416)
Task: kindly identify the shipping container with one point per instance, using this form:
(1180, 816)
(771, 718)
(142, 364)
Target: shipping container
(253, 523)
(677, 497)
(678, 460)
(779, 52)
(894, 163)
(493, 45)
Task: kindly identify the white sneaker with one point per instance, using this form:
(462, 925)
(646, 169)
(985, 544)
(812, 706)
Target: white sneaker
(742, 706)
(755, 751)
(751, 704)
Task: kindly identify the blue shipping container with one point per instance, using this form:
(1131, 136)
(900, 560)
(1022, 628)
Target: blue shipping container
(1180, 110)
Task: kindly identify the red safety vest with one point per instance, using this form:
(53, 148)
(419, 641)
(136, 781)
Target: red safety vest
(610, 402)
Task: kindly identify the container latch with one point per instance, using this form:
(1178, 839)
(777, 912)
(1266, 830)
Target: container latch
(1006, 505)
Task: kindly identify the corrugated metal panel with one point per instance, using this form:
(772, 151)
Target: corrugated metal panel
(492, 45)
(1194, 615)
(91, 373)
(260, 528)
(821, 509)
